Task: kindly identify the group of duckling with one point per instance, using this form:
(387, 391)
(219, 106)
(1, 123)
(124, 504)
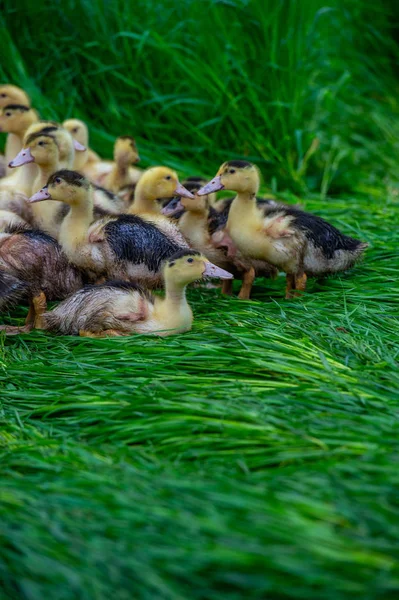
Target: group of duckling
(98, 235)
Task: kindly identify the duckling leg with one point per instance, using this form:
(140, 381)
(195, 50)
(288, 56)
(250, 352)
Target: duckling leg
(101, 334)
(39, 303)
(300, 284)
(227, 287)
(290, 287)
(31, 318)
(247, 281)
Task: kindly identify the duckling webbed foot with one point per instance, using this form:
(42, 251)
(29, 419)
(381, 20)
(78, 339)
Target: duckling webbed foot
(39, 304)
(247, 281)
(37, 307)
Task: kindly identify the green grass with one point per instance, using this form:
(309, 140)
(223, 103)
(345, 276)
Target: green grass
(256, 456)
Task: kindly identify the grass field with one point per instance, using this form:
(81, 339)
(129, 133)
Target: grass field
(256, 456)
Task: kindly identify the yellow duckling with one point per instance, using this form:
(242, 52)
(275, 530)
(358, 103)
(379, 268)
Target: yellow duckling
(80, 133)
(98, 171)
(11, 95)
(125, 155)
(43, 150)
(119, 308)
(16, 119)
(296, 242)
(121, 247)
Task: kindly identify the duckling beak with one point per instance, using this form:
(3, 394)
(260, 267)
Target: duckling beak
(22, 158)
(182, 191)
(78, 146)
(172, 208)
(42, 194)
(212, 270)
(213, 186)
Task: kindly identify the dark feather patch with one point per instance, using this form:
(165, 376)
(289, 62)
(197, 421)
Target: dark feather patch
(106, 192)
(183, 252)
(12, 290)
(16, 107)
(33, 136)
(135, 240)
(40, 236)
(321, 233)
(72, 177)
(49, 129)
(240, 164)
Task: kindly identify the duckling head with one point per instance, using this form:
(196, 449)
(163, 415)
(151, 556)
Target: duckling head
(78, 130)
(125, 150)
(236, 175)
(16, 118)
(39, 147)
(187, 266)
(64, 186)
(11, 94)
(67, 145)
(160, 182)
(198, 204)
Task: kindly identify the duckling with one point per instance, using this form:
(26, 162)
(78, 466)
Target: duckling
(43, 149)
(16, 119)
(125, 155)
(36, 259)
(121, 247)
(118, 308)
(80, 133)
(198, 223)
(11, 94)
(296, 242)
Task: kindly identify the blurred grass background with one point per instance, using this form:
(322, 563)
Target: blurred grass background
(257, 456)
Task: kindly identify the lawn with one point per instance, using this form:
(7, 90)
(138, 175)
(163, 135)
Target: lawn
(256, 456)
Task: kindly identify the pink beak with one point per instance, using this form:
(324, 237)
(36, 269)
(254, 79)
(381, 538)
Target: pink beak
(213, 186)
(169, 210)
(42, 194)
(78, 146)
(181, 191)
(212, 270)
(22, 158)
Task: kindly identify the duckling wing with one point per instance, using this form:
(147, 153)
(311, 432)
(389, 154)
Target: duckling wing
(139, 241)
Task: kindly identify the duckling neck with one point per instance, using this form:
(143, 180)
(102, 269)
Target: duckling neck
(118, 176)
(13, 146)
(243, 210)
(194, 226)
(44, 173)
(173, 311)
(143, 202)
(75, 226)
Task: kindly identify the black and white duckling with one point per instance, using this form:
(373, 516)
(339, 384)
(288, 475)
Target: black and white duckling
(296, 242)
(122, 308)
(121, 247)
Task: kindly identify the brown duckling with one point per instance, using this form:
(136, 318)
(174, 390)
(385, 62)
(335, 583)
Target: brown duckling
(118, 308)
(198, 223)
(39, 266)
(121, 247)
(296, 242)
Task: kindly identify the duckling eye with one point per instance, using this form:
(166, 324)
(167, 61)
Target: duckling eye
(57, 180)
(168, 177)
(41, 144)
(171, 264)
(75, 130)
(232, 170)
(3, 95)
(8, 114)
(190, 260)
